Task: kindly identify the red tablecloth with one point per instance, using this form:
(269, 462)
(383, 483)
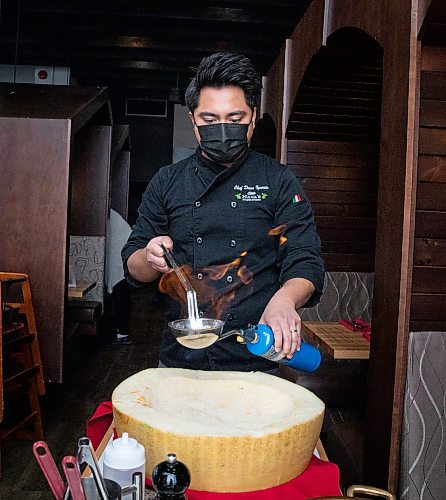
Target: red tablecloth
(320, 478)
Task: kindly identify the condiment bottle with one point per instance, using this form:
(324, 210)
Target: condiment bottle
(122, 458)
(259, 340)
(170, 479)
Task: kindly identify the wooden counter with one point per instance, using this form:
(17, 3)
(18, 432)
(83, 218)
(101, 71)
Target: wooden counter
(338, 341)
(81, 289)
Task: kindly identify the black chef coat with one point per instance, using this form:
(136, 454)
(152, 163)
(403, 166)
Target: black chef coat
(214, 214)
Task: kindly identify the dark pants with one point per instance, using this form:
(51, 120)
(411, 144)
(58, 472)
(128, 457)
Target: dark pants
(122, 304)
(274, 371)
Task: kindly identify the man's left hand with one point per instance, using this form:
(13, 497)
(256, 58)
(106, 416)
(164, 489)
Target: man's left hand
(281, 316)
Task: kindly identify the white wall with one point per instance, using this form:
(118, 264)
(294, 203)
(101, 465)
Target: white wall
(184, 142)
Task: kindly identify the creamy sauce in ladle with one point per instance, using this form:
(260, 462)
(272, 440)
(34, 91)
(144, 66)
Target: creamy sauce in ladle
(198, 340)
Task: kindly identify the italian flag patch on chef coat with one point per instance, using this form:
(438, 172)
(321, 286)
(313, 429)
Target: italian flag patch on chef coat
(297, 198)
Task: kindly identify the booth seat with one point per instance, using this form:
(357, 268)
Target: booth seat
(347, 295)
(340, 384)
(423, 451)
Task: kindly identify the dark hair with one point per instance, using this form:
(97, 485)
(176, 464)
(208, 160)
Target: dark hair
(223, 69)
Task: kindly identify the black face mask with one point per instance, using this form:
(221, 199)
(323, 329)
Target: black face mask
(224, 142)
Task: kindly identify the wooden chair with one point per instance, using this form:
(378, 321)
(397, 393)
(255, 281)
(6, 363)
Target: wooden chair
(21, 371)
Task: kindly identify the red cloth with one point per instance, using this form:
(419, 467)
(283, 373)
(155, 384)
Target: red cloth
(320, 478)
(358, 325)
(99, 423)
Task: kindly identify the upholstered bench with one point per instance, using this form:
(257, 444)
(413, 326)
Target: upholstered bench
(340, 383)
(347, 295)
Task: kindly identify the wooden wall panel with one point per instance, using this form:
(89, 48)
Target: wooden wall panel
(348, 207)
(340, 197)
(427, 326)
(306, 41)
(429, 279)
(433, 58)
(432, 113)
(340, 180)
(90, 170)
(431, 196)
(33, 207)
(429, 261)
(352, 185)
(432, 168)
(273, 96)
(433, 85)
(429, 251)
(428, 307)
(365, 15)
(432, 141)
(430, 224)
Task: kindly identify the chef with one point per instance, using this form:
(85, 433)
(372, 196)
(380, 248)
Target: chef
(224, 203)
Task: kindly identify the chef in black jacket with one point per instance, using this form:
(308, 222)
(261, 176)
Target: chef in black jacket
(219, 203)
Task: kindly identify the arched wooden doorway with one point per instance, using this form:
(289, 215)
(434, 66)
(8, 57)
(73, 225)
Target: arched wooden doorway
(333, 146)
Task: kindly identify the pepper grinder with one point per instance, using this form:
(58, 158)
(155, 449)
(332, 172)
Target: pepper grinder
(170, 479)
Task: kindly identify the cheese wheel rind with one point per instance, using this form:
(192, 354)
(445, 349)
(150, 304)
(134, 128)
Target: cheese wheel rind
(286, 421)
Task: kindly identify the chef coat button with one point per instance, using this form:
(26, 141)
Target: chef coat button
(199, 276)
(229, 279)
(232, 243)
(199, 240)
(196, 170)
(230, 317)
(233, 204)
(198, 204)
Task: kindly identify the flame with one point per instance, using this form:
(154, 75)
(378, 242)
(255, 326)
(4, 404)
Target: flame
(282, 240)
(206, 294)
(220, 303)
(217, 272)
(170, 284)
(275, 231)
(245, 275)
(279, 230)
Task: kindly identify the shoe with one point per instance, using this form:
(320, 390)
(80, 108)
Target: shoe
(122, 339)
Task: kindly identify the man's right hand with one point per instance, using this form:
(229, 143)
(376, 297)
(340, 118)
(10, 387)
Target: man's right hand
(155, 254)
(147, 263)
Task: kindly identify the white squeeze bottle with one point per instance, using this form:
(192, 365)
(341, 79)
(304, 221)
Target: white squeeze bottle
(122, 458)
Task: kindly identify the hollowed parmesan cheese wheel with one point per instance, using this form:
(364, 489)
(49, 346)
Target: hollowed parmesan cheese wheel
(235, 431)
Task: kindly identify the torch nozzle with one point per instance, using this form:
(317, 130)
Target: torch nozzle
(245, 335)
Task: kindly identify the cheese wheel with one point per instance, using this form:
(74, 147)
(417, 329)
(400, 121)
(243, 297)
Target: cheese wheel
(235, 431)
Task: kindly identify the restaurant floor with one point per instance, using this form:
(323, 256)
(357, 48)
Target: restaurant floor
(67, 407)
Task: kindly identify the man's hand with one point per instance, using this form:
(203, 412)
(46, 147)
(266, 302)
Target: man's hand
(155, 254)
(146, 264)
(281, 316)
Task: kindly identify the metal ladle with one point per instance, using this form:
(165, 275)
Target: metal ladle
(194, 332)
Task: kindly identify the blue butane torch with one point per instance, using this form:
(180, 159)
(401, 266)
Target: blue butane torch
(259, 340)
